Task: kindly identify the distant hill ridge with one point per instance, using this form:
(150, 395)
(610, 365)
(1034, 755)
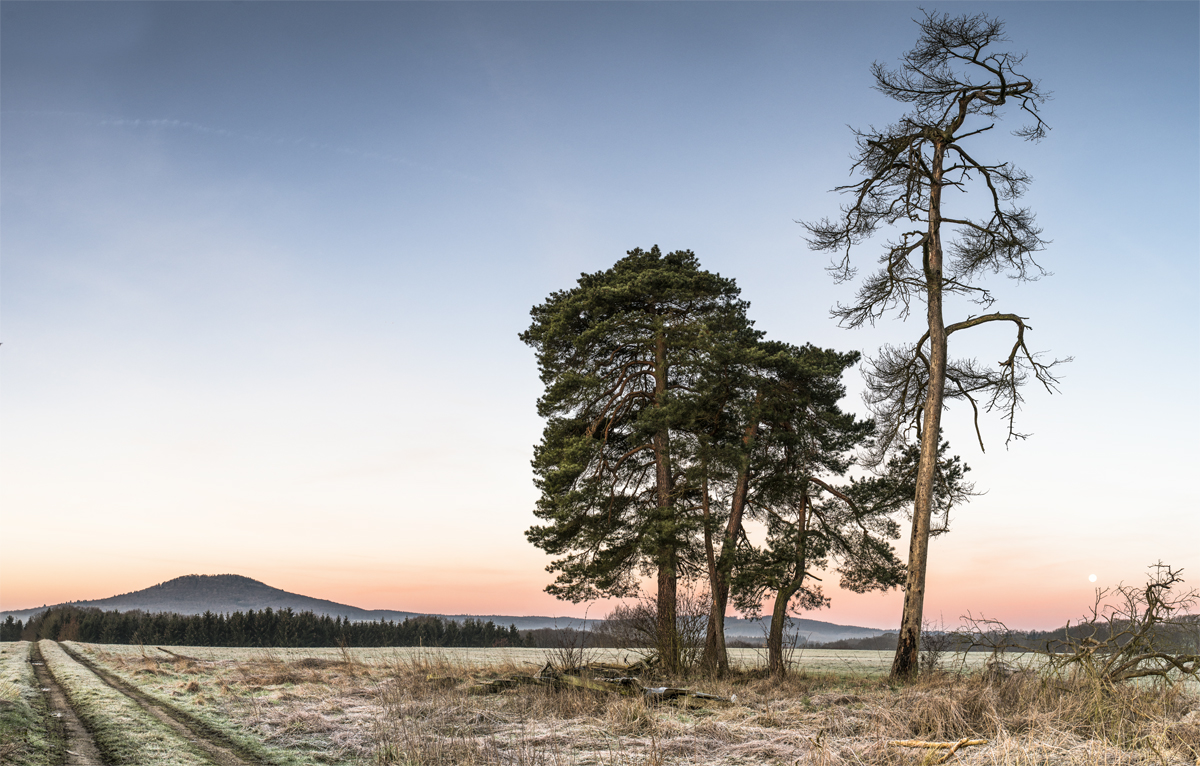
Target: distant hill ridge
(227, 593)
(196, 594)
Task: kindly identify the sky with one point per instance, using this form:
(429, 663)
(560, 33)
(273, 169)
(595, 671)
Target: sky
(263, 267)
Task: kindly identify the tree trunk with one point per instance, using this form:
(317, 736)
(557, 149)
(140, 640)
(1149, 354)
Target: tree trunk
(714, 634)
(666, 627)
(716, 657)
(719, 657)
(904, 665)
(775, 664)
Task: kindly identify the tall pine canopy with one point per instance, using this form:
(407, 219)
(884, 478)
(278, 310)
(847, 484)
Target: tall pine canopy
(621, 355)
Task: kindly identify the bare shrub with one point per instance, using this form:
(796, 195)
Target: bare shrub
(568, 652)
(936, 642)
(691, 615)
(631, 626)
(634, 626)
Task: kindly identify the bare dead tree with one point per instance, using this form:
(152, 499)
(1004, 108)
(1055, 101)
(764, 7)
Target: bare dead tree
(957, 87)
(936, 642)
(1134, 632)
(1147, 631)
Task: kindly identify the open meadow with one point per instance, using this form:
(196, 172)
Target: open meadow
(850, 661)
(186, 705)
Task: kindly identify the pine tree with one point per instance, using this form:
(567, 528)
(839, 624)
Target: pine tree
(620, 355)
(770, 421)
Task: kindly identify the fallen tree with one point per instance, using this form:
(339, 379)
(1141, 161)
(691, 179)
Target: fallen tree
(599, 677)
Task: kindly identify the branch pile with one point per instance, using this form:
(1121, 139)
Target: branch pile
(600, 677)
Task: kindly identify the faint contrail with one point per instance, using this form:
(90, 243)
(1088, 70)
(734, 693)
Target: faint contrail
(300, 142)
(195, 127)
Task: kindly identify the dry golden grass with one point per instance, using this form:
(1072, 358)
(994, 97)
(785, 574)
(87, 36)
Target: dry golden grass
(414, 710)
(820, 719)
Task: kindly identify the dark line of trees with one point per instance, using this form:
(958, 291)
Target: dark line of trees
(265, 628)
(10, 629)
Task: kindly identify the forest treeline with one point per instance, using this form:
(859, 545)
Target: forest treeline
(285, 628)
(265, 628)
(1185, 633)
(1182, 634)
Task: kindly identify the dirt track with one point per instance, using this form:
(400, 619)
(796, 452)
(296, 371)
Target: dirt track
(79, 748)
(212, 743)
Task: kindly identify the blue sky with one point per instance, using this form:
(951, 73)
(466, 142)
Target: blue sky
(264, 266)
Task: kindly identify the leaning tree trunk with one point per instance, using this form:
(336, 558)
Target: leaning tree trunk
(715, 660)
(716, 656)
(775, 664)
(904, 665)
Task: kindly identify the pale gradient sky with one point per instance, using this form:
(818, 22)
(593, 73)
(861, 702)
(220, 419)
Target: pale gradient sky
(264, 267)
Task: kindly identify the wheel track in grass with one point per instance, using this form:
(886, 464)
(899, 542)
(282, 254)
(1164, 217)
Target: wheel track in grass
(78, 747)
(215, 744)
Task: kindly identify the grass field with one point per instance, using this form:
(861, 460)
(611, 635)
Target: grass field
(413, 706)
(24, 737)
(869, 663)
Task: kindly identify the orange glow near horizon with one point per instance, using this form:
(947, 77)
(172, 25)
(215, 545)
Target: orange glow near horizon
(1032, 604)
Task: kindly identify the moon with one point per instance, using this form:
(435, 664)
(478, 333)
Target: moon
(1091, 578)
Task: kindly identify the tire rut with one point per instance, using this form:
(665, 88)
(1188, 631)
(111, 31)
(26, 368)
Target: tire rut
(213, 743)
(79, 747)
